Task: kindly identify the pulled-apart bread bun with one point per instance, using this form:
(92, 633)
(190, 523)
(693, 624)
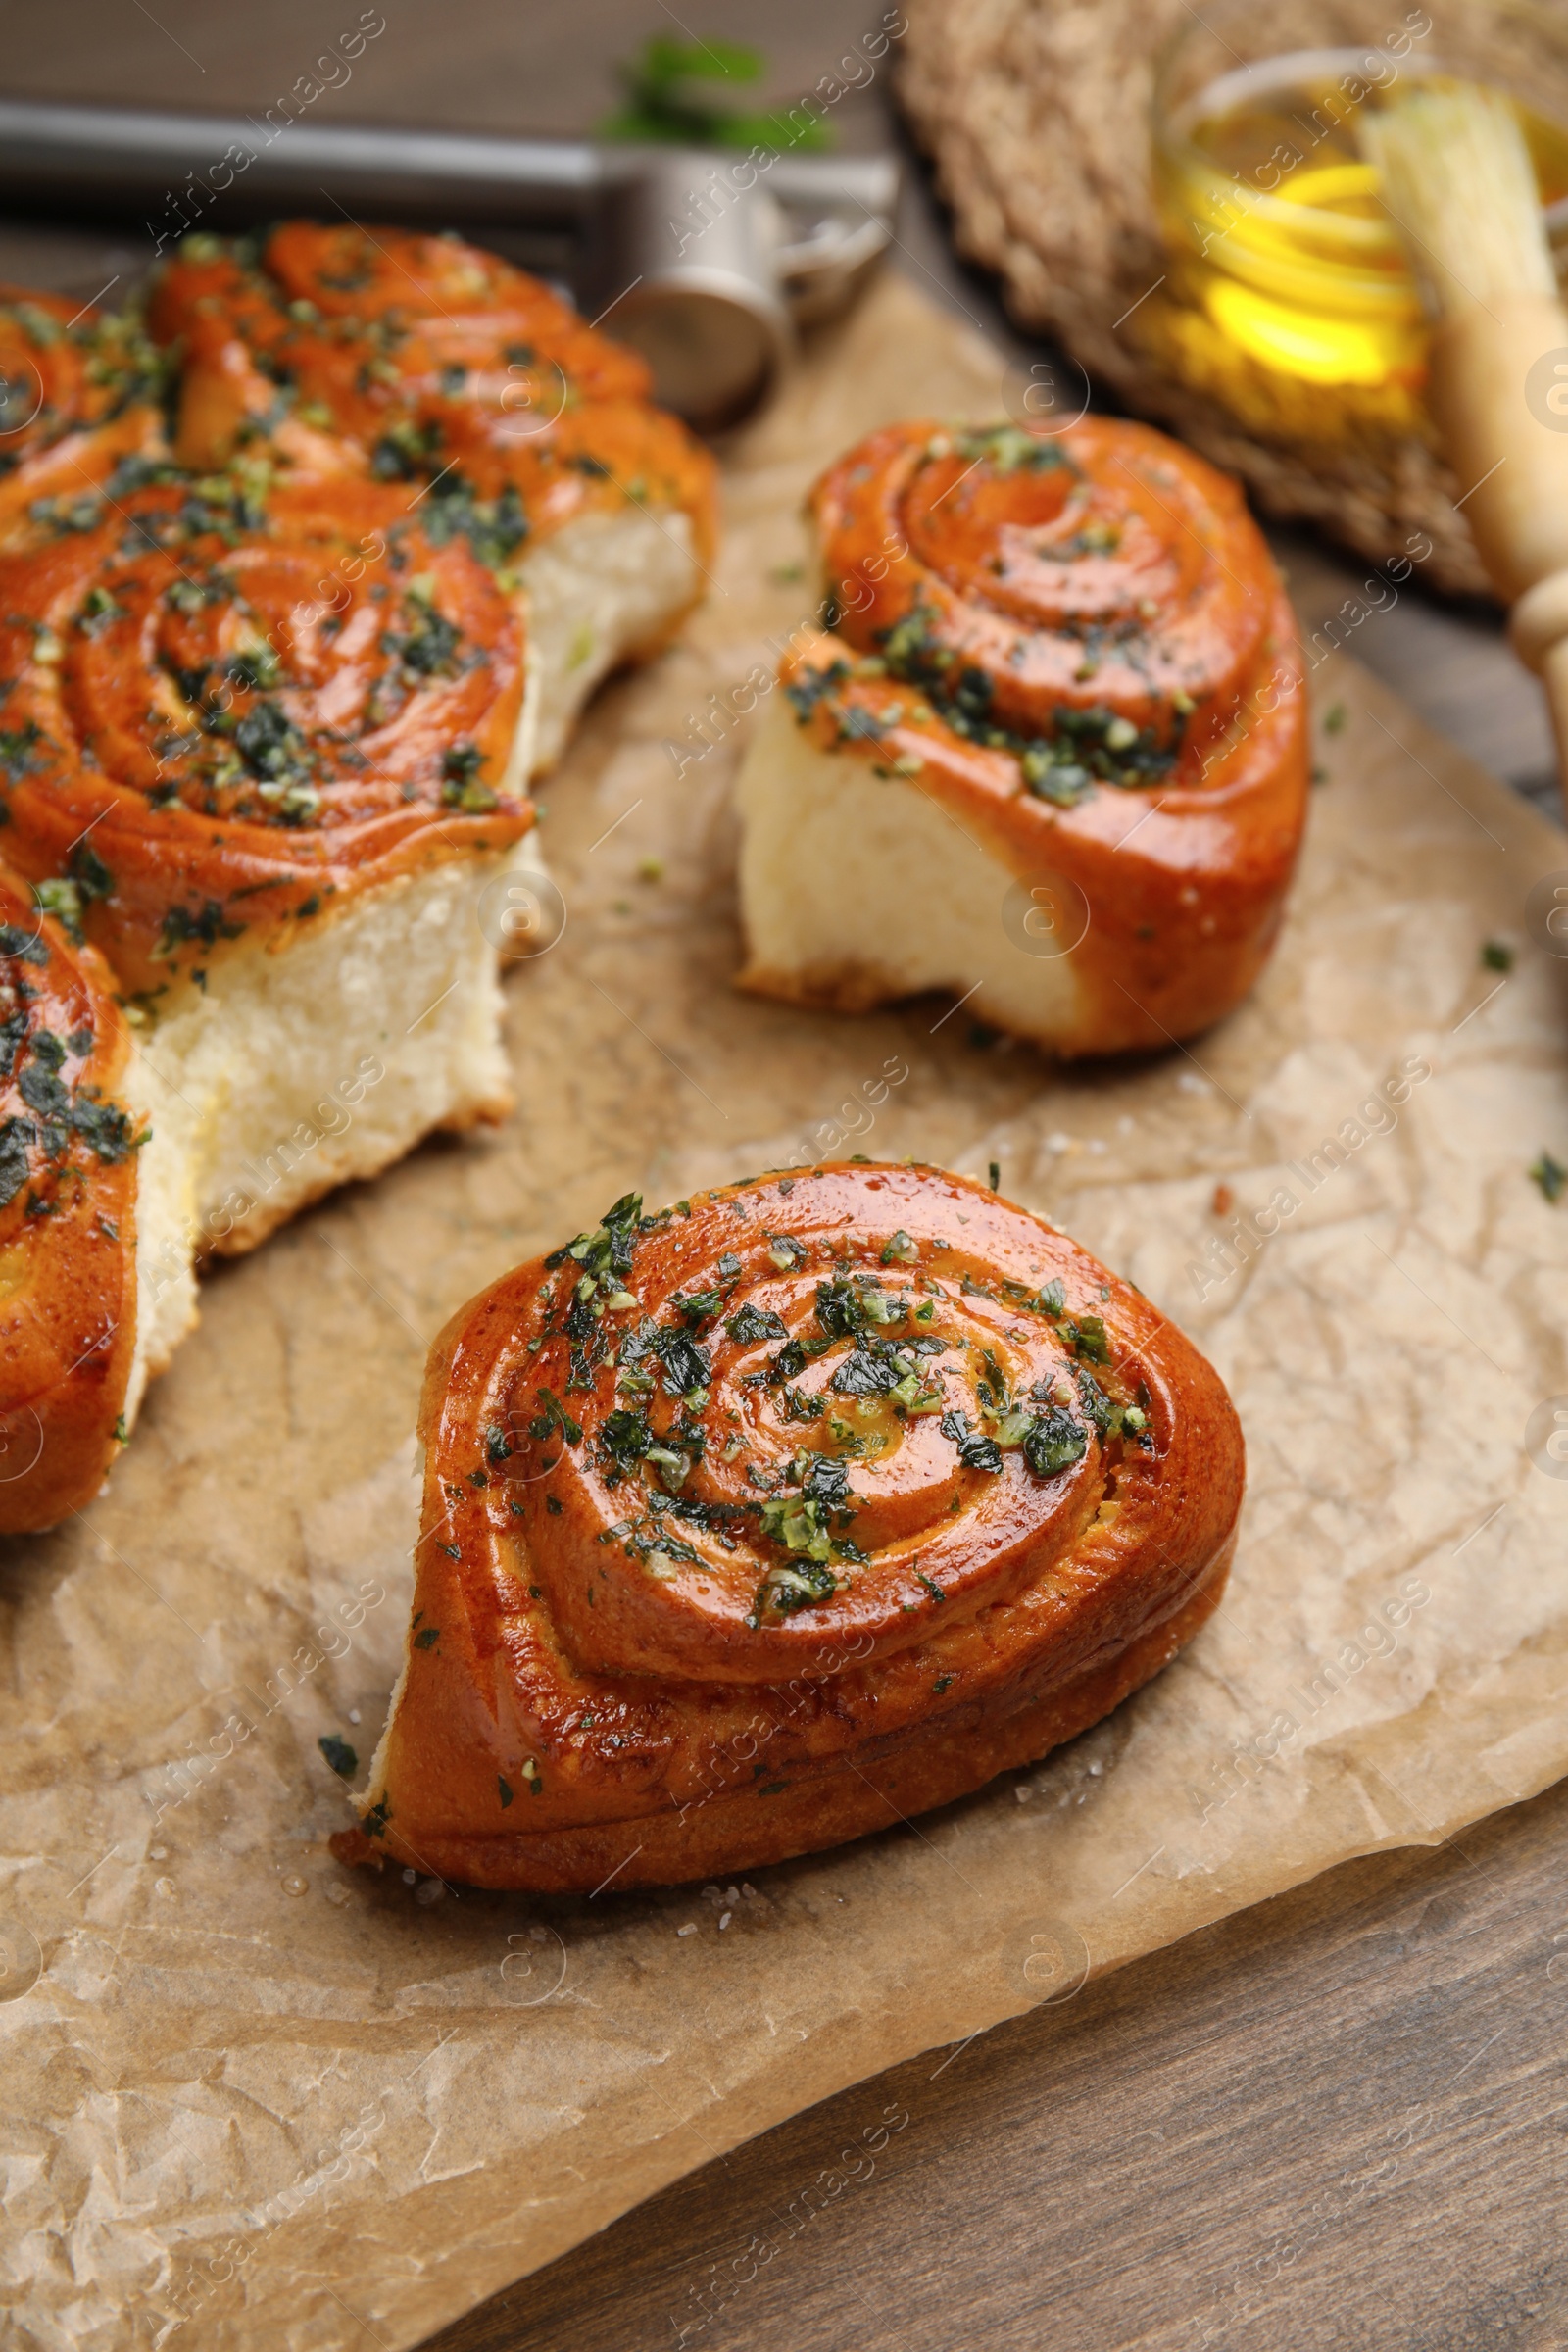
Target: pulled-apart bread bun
(1053, 756)
(266, 746)
(87, 1199)
(773, 1519)
(443, 366)
(265, 753)
(272, 697)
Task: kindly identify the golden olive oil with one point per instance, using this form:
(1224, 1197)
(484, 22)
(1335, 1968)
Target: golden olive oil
(1279, 241)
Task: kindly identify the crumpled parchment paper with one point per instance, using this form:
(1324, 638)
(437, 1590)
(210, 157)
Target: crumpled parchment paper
(253, 2101)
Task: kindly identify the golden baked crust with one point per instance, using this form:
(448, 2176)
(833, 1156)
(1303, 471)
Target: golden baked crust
(1077, 647)
(810, 1504)
(78, 390)
(240, 702)
(67, 1217)
(435, 362)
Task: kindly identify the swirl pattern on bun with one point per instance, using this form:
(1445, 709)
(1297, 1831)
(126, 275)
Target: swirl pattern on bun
(1058, 729)
(767, 1521)
(77, 389)
(365, 322)
(239, 701)
(439, 364)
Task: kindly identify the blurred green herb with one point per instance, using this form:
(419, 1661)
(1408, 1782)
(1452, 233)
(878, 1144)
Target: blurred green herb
(669, 99)
(1551, 1176)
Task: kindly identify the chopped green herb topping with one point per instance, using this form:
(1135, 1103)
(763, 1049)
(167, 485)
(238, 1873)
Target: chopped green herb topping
(203, 926)
(62, 899)
(976, 1451)
(88, 871)
(1551, 1175)
(686, 1365)
(16, 1137)
(14, 941)
(697, 1307)
(626, 1439)
(553, 1415)
(462, 786)
(794, 1584)
(799, 1525)
(1087, 1339)
(808, 686)
(1112, 1420)
(751, 1323)
(609, 1248)
(1011, 449)
(1083, 748)
(1054, 1441)
(494, 527)
(98, 609)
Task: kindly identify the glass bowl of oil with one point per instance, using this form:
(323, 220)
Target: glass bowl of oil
(1289, 296)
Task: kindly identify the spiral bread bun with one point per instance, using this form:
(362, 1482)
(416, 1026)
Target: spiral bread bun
(265, 748)
(773, 1519)
(1053, 755)
(271, 703)
(442, 366)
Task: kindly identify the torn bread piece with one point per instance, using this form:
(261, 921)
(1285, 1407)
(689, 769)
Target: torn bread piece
(1053, 758)
(520, 429)
(266, 758)
(275, 747)
(322, 1056)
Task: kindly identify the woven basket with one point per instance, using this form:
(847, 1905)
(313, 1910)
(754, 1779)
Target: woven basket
(1035, 114)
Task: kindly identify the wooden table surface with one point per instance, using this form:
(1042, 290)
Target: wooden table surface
(1338, 2120)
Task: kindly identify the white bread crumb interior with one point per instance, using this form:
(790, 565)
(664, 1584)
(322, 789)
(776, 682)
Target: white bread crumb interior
(316, 1053)
(857, 887)
(599, 591)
